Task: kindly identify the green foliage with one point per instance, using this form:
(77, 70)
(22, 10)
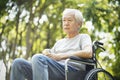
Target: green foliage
(3, 7)
(116, 68)
(29, 26)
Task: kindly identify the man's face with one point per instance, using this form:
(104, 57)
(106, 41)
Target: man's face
(70, 25)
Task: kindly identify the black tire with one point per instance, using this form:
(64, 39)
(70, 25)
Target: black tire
(95, 73)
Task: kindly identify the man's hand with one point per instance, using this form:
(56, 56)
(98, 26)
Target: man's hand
(46, 52)
(52, 55)
(55, 56)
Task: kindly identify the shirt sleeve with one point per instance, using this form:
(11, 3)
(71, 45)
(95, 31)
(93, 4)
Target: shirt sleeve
(85, 41)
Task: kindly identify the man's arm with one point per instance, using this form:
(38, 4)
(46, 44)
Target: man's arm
(85, 53)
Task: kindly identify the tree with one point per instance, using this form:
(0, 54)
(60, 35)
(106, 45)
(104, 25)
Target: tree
(27, 27)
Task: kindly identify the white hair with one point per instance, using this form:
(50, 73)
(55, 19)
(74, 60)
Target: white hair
(77, 14)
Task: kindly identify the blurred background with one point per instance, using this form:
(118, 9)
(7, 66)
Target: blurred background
(29, 26)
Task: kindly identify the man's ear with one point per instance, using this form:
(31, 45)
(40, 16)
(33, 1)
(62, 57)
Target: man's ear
(80, 24)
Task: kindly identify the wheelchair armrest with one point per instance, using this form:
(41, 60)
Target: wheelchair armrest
(87, 60)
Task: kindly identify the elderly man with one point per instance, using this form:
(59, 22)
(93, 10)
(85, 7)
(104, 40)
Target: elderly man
(49, 65)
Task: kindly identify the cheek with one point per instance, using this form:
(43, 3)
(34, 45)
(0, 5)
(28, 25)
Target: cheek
(75, 27)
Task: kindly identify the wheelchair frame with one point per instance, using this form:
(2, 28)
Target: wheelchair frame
(92, 61)
(77, 61)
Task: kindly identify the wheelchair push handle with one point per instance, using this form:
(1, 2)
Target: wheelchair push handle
(99, 44)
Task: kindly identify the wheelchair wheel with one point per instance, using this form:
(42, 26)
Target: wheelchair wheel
(98, 74)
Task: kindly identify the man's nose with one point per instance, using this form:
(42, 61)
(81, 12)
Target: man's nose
(66, 23)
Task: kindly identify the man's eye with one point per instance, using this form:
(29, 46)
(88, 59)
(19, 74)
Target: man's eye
(69, 20)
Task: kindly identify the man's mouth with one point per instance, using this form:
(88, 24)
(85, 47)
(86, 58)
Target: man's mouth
(66, 28)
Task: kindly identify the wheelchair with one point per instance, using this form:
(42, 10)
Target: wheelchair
(91, 72)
